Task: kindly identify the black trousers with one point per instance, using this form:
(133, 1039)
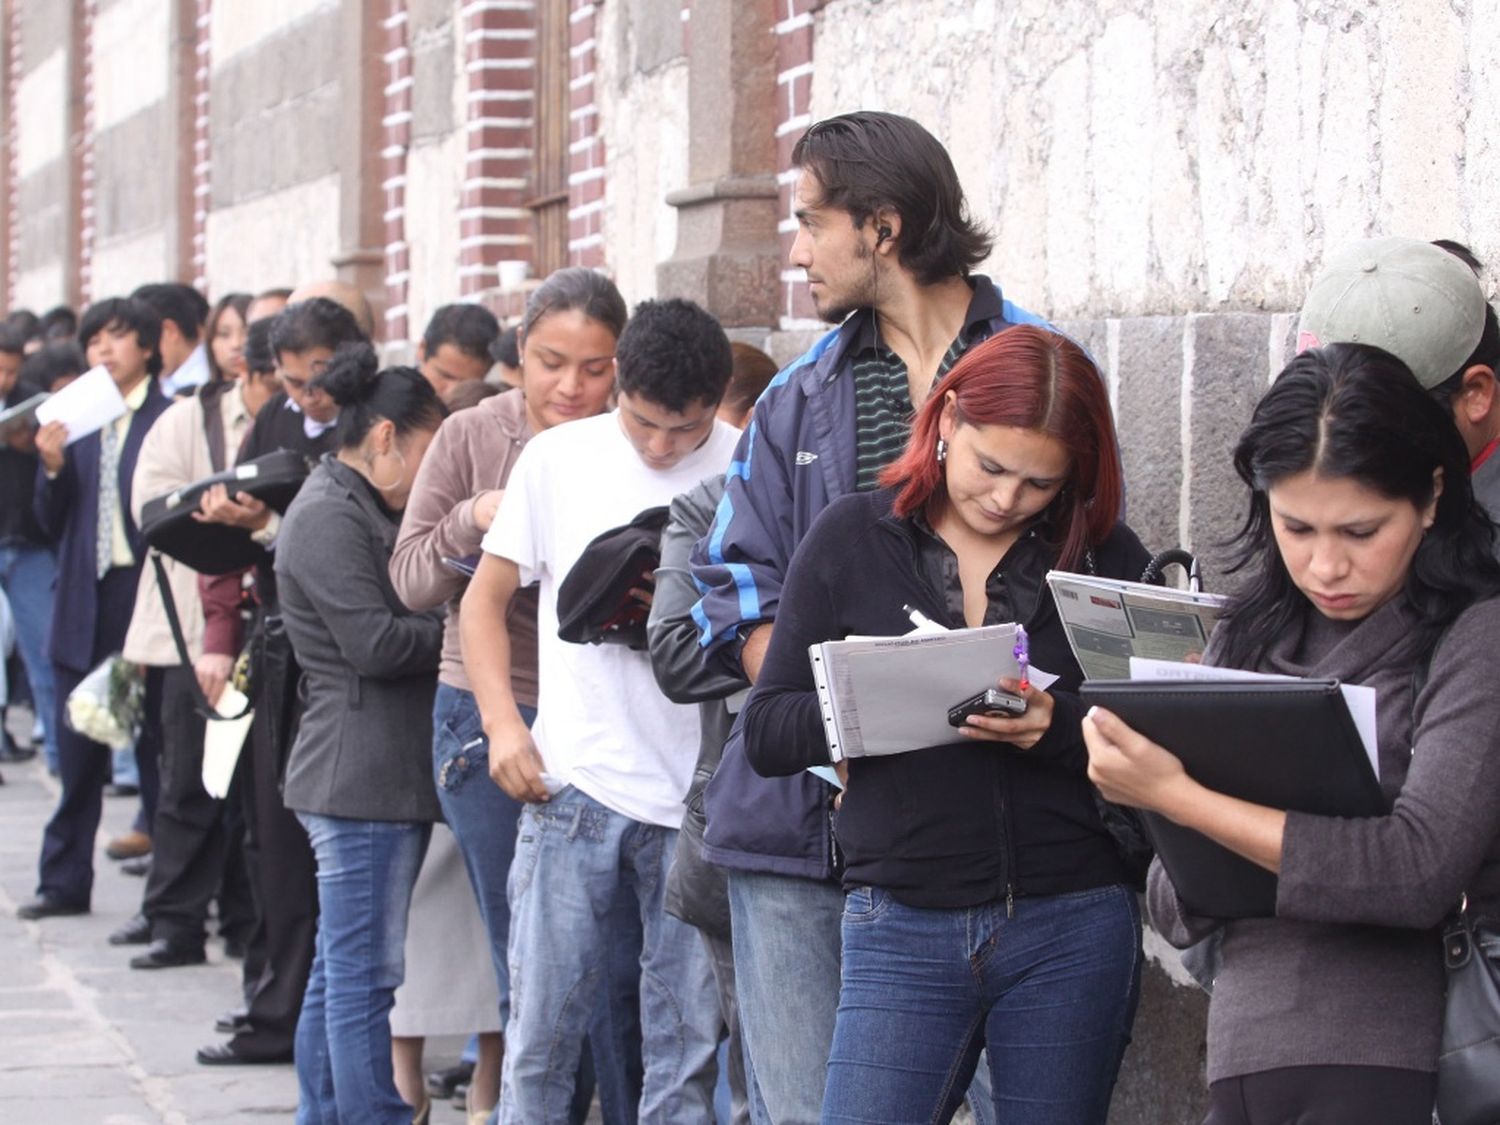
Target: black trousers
(190, 836)
(286, 884)
(66, 869)
(1324, 1095)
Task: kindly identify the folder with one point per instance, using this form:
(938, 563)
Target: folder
(1285, 744)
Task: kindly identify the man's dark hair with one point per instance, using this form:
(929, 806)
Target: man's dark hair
(868, 161)
(25, 322)
(59, 323)
(469, 328)
(1487, 352)
(11, 341)
(751, 373)
(51, 362)
(260, 359)
(129, 313)
(183, 305)
(314, 323)
(506, 348)
(673, 354)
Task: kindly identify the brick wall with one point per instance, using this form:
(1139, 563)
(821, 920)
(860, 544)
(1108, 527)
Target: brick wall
(82, 152)
(794, 64)
(586, 165)
(202, 167)
(397, 124)
(499, 66)
(14, 61)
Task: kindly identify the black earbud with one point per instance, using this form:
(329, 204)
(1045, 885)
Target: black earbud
(883, 233)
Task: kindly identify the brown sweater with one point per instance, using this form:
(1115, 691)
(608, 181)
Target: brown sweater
(1349, 971)
(472, 452)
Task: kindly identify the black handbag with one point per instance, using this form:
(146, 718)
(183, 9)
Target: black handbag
(167, 522)
(1469, 1063)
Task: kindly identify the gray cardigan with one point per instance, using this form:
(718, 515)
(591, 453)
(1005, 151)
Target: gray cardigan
(369, 666)
(1349, 971)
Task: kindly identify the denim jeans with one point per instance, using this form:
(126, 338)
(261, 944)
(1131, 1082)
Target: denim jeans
(1051, 992)
(483, 818)
(28, 574)
(572, 857)
(366, 870)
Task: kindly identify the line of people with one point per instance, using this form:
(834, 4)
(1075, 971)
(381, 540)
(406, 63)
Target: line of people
(607, 857)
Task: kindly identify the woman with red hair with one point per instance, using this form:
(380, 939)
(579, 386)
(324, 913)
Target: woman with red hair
(987, 905)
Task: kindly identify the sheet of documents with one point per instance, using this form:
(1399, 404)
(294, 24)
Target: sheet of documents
(85, 406)
(222, 742)
(888, 695)
(1359, 699)
(1109, 621)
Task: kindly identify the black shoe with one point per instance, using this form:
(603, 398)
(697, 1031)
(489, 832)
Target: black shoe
(113, 790)
(137, 931)
(233, 1021)
(226, 1054)
(234, 948)
(44, 907)
(442, 1083)
(10, 751)
(162, 954)
(140, 867)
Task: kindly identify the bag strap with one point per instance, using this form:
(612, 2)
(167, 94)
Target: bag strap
(211, 399)
(169, 603)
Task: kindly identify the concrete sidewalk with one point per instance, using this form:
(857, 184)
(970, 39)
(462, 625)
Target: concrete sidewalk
(85, 1039)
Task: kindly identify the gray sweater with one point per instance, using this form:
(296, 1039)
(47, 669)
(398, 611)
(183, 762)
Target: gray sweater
(1349, 971)
(369, 665)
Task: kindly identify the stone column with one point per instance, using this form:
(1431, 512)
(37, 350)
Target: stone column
(727, 258)
(361, 255)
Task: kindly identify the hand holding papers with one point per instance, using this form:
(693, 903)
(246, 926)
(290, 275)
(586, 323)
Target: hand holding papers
(84, 406)
(888, 695)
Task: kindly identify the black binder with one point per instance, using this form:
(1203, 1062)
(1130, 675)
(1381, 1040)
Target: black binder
(1284, 744)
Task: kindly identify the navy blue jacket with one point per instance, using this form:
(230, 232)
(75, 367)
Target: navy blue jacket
(68, 510)
(794, 460)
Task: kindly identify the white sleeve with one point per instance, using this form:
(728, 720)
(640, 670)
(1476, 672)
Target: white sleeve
(516, 533)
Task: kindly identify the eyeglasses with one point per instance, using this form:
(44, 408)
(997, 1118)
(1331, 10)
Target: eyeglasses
(302, 386)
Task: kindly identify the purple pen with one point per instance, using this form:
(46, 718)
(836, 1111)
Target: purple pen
(1023, 656)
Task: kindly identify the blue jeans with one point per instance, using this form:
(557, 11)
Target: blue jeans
(573, 856)
(1051, 992)
(28, 576)
(483, 818)
(366, 870)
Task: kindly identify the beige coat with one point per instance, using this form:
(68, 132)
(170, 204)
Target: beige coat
(175, 454)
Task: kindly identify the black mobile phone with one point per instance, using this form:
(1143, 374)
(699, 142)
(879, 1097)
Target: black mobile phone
(991, 702)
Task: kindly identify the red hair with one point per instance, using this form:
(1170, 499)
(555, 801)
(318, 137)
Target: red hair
(1032, 379)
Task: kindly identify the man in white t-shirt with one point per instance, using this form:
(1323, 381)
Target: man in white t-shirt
(605, 768)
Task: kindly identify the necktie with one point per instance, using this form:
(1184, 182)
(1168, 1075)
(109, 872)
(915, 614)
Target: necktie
(109, 497)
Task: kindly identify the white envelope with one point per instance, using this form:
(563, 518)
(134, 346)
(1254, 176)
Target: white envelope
(222, 742)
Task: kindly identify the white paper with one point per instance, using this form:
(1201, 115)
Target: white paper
(1359, 699)
(223, 741)
(85, 406)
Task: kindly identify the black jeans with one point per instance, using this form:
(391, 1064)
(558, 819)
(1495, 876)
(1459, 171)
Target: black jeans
(1324, 1095)
(286, 883)
(189, 837)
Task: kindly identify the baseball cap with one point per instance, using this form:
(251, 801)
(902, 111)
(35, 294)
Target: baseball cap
(1411, 298)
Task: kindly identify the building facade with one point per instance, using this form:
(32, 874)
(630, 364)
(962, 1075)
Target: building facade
(1162, 178)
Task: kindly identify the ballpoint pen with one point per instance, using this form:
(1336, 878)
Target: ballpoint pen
(1023, 656)
(919, 619)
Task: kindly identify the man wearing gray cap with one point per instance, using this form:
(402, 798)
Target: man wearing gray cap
(1423, 304)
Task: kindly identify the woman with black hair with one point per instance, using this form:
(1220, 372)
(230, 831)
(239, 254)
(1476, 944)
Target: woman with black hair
(359, 775)
(1369, 561)
(225, 336)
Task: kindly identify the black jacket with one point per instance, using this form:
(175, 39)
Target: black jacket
(953, 825)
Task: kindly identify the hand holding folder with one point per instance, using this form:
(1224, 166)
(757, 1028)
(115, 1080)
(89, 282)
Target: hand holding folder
(1284, 744)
